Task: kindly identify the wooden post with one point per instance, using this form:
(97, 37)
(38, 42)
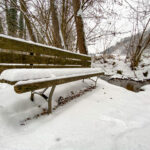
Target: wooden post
(50, 100)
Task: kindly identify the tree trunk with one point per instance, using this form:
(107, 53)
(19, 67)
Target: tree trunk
(11, 17)
(64, 21)
(21, 25)
(1, 26)
(81, 43)
(28, 23)
(141, 46)
(55, 24)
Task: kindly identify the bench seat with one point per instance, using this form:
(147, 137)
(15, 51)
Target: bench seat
(16, 75)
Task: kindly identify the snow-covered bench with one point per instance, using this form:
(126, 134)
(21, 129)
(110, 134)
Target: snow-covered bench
(19, 60)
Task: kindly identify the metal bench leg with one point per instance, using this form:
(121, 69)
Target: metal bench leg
(32, 96)
(95, 80)
(50, 99)
(39, 93)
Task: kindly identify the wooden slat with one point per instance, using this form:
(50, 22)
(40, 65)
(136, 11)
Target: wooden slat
(15, 44)
(9, 82)
(22, 88)
(29, 59)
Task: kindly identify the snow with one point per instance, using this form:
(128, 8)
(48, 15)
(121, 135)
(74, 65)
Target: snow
(117, 63)
(55, 78)
(32, 74)
(80, 12)
(101, 119)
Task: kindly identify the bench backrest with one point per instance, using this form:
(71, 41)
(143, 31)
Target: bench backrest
(18, 53)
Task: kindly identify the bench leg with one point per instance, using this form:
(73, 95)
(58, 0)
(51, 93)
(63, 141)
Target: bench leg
(95, 80)
(39, 93)
(32, 96)
(50, 100)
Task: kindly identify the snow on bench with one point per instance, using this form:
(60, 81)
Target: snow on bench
(15, 75)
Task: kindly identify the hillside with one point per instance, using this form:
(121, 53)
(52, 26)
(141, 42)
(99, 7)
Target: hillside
(124, 46)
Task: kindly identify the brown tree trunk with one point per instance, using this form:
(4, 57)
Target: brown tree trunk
(1, 26)
(81, 43)
(141, 46)
(55, 23)
(28, 23)
(64, 21)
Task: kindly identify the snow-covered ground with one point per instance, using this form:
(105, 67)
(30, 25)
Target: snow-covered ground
(117, 67)
(107, 118)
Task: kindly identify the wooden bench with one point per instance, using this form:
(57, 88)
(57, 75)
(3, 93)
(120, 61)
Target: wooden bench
(18, 54)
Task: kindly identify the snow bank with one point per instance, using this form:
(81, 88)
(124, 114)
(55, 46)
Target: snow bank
(118, 63)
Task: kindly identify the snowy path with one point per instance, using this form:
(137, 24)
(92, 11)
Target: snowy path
(107, 118)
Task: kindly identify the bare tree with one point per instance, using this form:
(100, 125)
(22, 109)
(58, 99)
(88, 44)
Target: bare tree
(142, 44)
(140, 39)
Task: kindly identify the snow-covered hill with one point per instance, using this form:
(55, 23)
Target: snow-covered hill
(126, 45)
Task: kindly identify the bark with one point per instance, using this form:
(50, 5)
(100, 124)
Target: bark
(55, 24)
(64, 21)
(1, 26)
(28, 23)
(12, 19)
(81, 43)
(21, 25)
